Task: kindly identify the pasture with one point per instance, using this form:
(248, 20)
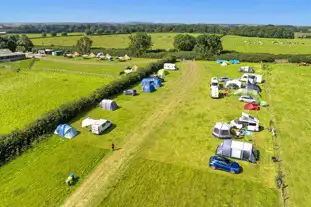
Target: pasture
(290, 88)
(165, 41)
(28, 94)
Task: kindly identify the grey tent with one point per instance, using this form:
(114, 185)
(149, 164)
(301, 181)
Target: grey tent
(239, 150)
(222, 130)
(108, 105)
(246, 69)
(253, 87)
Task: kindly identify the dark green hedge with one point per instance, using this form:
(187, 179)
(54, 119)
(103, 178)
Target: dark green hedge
(18, 141)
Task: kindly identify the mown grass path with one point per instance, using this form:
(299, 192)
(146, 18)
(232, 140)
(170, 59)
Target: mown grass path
(115, 164)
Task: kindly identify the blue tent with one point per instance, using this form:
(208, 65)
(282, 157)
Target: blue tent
(235, 61)
(220, 61)
(156, 82)
(64, 130)
(148, 87)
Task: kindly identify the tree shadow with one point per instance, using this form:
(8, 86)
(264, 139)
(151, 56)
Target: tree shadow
(110, 129)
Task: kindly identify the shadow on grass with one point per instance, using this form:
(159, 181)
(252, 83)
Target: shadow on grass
(75, 181)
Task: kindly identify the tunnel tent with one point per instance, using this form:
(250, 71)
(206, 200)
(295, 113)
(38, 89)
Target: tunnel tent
(66, 131)
(239, 150)
(109, 105)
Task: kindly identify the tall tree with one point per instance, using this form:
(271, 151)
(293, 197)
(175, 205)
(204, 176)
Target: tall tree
(53, 34)
(84, 45)
(208, 45)
(25, 42)
(43, 34)
(140, 43)
(184, 42)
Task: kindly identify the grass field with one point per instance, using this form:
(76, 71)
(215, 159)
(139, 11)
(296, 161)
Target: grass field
(290, 89)
(28, 94)
(37, 177)
(165, 41)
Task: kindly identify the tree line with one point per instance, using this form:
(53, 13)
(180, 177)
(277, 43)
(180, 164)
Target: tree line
(102, 28)
(13, 42)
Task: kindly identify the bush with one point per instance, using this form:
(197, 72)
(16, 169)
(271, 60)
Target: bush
(18, 141)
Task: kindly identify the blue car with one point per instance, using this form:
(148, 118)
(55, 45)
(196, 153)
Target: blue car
(222, 163)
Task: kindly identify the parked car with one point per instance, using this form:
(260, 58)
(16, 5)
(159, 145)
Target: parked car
(247, 99)
(222, 163)
(224, 79)
(131, 92)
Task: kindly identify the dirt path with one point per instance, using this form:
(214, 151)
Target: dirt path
(93, 63)
(99, 179)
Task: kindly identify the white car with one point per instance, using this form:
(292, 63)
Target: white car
(247, 99)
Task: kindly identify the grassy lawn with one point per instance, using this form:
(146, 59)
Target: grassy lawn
(89, 65)
(28, 94)
(165, 41)
(37, 177)
(290, 88)
(172, 169)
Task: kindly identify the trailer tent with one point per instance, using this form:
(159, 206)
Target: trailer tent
(108, 105)
(64, 130)
(222, 130)
(239, 150)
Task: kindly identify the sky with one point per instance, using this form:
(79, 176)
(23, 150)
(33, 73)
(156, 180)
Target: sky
(285, 12)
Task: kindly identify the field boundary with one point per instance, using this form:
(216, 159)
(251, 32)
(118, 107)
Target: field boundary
(280, 181)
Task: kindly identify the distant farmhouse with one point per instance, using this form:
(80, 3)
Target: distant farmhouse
(7, 55)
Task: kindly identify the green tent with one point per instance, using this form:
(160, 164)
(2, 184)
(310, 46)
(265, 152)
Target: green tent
(162, 73)
(243, 91)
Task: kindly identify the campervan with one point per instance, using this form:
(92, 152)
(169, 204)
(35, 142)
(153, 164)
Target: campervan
(251, 78)
(214, 92)
(247, 122)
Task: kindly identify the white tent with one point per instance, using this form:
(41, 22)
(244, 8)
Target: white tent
(224, 63)
(222, 130)
(126, 57)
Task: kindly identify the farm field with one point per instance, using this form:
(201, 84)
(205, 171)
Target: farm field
(165, 41)
(291, 108)
(37, 177)
(170, 168)
(37, 91)
(28, 94)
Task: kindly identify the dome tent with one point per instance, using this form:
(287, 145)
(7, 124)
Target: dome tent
(148, 87)
(224, 63)
(222, 130)
(108, 105)
(64, 130)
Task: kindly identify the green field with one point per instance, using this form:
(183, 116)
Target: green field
(290, 89)
(28, 94)
(165, 41)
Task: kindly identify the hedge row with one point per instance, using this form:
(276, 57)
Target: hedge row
(18, 141)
